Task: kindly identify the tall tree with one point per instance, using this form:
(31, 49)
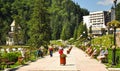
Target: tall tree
(5, 19)
(81, 31)
(66, 31)
(118, 12)
(39, 24)
(22, 10)
(56, 18)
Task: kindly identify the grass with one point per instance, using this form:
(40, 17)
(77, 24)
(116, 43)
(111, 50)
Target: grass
(107, 41)
(109, 64)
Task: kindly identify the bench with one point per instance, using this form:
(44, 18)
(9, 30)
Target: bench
(5, 62)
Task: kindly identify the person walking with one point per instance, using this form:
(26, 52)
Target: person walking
(51, 51)
(60, 50)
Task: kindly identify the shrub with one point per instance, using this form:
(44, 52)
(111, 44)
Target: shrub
(12, 56)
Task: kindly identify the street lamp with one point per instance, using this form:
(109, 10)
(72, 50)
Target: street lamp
(100, 41)
(90, 38)
(114, 48)
(90, 32)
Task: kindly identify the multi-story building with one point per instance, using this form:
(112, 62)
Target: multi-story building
(97, 21)
(86, 20)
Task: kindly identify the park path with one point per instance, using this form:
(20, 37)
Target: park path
(75, 61)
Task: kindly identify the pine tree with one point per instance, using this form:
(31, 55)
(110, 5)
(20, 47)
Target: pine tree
(40, 31)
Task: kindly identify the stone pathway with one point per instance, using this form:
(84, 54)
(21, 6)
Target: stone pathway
(75, 61)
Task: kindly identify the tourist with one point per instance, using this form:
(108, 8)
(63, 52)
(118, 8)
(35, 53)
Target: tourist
(51, 50)
(95, 53)
(103, 54)
(60, 50)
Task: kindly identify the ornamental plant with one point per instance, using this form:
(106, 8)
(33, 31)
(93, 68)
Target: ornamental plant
(63, 55)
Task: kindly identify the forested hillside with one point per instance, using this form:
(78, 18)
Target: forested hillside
(40, 20)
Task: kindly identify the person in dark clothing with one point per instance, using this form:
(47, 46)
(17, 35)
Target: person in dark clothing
(40, 53)
(51, 51)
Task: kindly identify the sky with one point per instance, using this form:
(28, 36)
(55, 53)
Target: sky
(95, 5)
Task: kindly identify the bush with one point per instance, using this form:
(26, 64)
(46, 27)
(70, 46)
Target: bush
(12, 56)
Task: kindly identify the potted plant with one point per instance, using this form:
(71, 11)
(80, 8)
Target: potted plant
(63, 59)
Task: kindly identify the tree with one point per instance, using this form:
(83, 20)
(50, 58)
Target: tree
(62, 12)
(117, 10)
(22, 10)
(5, 19)
(56, 13)
(82, 30)
(40, 31)
(66, 33)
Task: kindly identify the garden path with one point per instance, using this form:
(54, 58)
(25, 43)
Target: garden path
(75, 61)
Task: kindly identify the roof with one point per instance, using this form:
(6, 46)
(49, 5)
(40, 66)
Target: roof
(13, 23)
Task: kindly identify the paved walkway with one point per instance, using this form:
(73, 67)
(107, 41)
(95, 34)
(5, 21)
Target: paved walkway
(75, 61)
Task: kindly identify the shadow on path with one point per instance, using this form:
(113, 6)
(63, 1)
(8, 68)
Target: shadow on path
(69, 64)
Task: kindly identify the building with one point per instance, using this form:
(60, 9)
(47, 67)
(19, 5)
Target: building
(112, 13)
(97, 21)
(86, 21)
(11, 35)
(10, 38)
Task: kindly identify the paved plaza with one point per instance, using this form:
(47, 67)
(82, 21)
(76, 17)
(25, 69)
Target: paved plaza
(75, 61)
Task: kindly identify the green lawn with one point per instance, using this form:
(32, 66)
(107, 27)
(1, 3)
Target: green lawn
(109, 64)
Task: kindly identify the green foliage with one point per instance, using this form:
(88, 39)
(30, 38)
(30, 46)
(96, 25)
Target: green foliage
(71, 41)
(63, 55)
(66, 34)
(65, 15)
(12, 56)
(117, 12)
(57, 42)
(18, 10)
(80, 31)
(110, 58)
(39, 25)
(105, 41)
(35, 16)
(75, 33)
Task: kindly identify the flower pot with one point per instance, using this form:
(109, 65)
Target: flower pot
(62, 60)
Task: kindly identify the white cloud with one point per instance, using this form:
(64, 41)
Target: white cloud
(106, 2)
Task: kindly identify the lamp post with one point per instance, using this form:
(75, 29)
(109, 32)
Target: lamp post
(100, 41)
(90, 32)
(82, 35)
(114, 48)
